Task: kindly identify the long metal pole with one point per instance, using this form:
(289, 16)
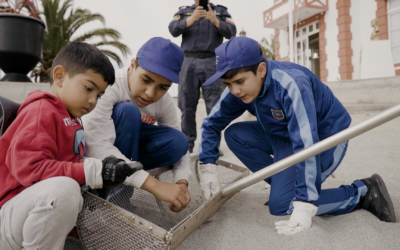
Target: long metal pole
(315, 149)
(291, 49)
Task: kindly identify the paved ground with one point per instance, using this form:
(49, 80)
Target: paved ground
(243, 222)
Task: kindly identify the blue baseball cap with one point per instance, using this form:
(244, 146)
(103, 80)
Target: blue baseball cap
(236, 53)
(162, 57)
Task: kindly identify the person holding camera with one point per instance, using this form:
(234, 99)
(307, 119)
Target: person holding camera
(203, 27)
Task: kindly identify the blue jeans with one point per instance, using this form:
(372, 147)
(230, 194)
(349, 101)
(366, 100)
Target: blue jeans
(153, 146)
(254, 147)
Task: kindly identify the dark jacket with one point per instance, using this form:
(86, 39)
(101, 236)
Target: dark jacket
(202, 36)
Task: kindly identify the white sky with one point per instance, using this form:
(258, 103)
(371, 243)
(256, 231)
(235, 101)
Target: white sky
(140, 20)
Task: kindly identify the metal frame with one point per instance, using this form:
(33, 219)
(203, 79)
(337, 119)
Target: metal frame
(181, 231)
(164, 239)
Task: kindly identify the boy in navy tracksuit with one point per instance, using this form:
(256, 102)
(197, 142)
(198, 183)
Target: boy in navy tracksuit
(294, 110)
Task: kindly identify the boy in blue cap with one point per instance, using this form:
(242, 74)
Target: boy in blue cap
(122, 124)
(294, 110)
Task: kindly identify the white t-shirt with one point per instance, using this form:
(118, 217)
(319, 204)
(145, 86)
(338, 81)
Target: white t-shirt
(99, 126)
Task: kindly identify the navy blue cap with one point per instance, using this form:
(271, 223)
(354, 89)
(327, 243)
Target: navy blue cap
(236, 53)
(162, 57)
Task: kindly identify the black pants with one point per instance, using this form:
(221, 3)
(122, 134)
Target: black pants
(194, 72)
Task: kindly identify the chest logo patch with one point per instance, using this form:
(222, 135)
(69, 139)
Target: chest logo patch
(79, 144)
(177, 17)
(148, 119)
(278, 114)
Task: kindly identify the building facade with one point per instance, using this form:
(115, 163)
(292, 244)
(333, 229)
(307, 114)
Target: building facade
(339, 39)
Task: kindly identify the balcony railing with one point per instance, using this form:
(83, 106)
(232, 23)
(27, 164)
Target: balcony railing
(277, 16)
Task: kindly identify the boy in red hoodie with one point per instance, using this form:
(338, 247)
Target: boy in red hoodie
(41, 153)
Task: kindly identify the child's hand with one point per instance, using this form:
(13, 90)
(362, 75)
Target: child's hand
(301, 218)
(209, 182)
(184, 186)
(176, 194)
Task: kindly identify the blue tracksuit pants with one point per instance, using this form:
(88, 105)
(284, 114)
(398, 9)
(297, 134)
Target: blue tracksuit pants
(254, 147)
(153, 146)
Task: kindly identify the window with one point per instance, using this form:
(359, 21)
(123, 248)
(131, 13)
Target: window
(302, 40)
(394, 28)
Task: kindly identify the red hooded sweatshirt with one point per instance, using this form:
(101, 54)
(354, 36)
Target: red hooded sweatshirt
(44, 141)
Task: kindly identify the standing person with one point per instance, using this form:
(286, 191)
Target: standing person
(202, 31)
(123, 123)
(294, 110)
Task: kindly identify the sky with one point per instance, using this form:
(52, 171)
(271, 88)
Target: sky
(138, 21)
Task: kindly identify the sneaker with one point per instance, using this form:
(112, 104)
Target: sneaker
(377, 200)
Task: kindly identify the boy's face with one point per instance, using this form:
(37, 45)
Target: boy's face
(247, 85)
(80, 92)
(146, 87)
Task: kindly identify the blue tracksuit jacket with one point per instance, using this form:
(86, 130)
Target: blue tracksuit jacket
(293, 103)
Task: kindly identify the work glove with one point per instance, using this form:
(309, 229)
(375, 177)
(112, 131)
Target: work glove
(209, 182)
(107, 173)
(115, 171)
(300, 219)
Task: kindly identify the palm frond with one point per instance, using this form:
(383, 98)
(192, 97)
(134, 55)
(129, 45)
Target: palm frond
(122, 47)
(62, 22)
(81, 17)
(113, 56)
(103, 33)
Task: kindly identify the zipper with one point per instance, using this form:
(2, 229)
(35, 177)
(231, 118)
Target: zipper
(258, 117)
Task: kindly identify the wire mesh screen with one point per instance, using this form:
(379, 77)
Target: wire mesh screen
(109, 224)
(103, 226)
(143, 204)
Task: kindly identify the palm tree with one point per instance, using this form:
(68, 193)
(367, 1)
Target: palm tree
(61, 24)
(268, 48)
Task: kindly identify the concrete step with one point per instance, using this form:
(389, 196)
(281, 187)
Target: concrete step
(366, 107)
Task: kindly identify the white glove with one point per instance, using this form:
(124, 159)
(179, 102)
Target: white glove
(300, 219)
(92, 168)
(209, 182)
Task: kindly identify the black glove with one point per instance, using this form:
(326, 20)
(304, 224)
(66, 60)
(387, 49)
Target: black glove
(115, 171)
